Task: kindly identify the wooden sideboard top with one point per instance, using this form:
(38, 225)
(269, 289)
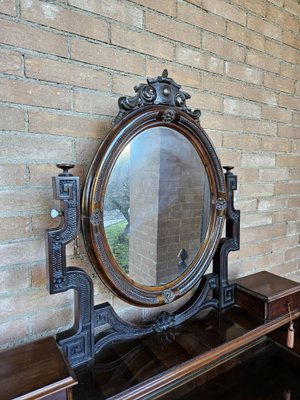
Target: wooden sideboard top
(33, 370)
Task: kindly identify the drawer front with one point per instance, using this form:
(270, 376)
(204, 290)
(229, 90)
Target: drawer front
(279, 307)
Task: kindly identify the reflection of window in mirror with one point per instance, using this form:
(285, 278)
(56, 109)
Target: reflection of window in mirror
(157, 206)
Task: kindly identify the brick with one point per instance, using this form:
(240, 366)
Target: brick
(257, 6)
(41, 174)
(263, 61)
(264, 27)
(172, 29)
(113, 9)
(264, 247)
(14, 228)
(21, 252)
(263, 232)
(275, 144)
(14, 331)
(290, 70)
(183, 75)
(12, 175)
(278, 3)
(287, 187)
(289, 160)
(246, 205)
(67, 125)
(95, 103)
(221, 122)
(296, 118)
(280, 17)
(10, 62)
(12, 119)
(243, 73)
(20, 147)
(294, 174)
(205, 101)
(242, 108)
(25, 200)
(291, 39)
(257, 190)
(67, 73)
(124, 84)
(198, 17)
(67, 20)
(13, 279)
(287, 131)
(229, 157)
(225, 10)
(258, 159)
(222, 47)
(241, 142)
(281, 51)
(292, 6)
(42, 222)
(289, 101)
(260, 127)
(259, 95)
(297, 91)
(34, 94)
(31, 302)
(292, 254)
(294, 202)
(286, 215)
(85, 151)
(279, 84)
(198, 60)
(247, 175)
(296, 146)
(221, 85)
(38, 276)
(215, 136)
(51, 321)
(276, 114)
(8, 7)
(165, 7)
(271, 204)
(142, 42)
(107, 57)
(255, 219)
(32, 38)
(248, 38)
(273, 174)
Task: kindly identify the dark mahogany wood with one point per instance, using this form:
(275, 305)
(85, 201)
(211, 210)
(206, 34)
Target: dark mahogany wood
(157, 364)
(35, 370)
(263, 372)
(267, 295)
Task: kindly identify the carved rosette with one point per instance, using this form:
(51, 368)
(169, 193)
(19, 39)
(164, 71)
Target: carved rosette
(163, 322)
(159, 90)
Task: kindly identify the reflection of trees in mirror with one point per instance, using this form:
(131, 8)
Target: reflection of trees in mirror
(116, 210)
(119, 243)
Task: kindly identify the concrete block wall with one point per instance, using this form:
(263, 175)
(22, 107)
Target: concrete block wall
(63, 65)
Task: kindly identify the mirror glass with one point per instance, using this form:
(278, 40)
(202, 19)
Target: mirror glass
(156, 206)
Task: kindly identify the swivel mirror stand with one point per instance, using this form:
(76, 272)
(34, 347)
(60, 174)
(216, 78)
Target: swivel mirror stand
(160, 97)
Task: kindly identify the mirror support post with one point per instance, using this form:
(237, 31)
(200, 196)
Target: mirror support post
(226, 291)
(78, 342)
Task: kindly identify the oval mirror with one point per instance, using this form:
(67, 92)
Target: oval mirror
(154, 200)
(156, 206)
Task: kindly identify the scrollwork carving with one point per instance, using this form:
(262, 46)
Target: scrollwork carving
(159, 90)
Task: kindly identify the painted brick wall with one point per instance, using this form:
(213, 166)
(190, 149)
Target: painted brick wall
(63, 65)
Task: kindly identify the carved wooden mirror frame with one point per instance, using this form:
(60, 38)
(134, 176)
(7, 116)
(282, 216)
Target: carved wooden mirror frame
(159, 103)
